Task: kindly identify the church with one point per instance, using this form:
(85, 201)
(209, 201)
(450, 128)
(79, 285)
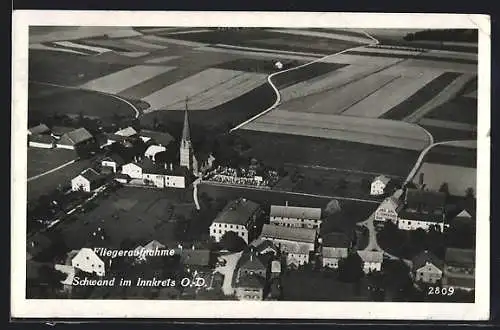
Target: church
(187, 156)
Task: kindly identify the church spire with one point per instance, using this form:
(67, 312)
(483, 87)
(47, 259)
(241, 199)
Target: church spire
(185, 130)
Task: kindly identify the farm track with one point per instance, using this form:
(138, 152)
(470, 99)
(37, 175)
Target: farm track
(51, 170)
(276, 90)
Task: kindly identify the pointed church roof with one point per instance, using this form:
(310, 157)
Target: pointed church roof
(185, 130)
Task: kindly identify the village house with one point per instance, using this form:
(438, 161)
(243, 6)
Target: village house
(465, 216)
(75, 139)
(389, 208)
(262, 246)
(422, 209)
(155, 137)
(372, 260)
(240, 216)
(58, 131)
(86, 181)
(126, 132)
(69, 271)
(39, 129)
(41, 141)
(427, 268)
(133, 170)
(113, 162)
(156, 175)
(251, 263)
(379, 185)
(87, 261)
(296, 243)
(294, 216)
(275, 269)
(250, 287)
(459, 269)
(334, 247)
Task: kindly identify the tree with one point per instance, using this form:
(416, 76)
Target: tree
(351, 268)
(444, 188)
(332, 207)
(232, 242)
(469, 193)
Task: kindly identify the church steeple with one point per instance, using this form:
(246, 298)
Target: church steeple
(185, 130)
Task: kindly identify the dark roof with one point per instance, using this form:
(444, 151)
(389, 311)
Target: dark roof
(252, 261)
(114, 158)
(460, 257)
(429, 200)
(423, 257)
(41, 138)
(459, 282)
(237, 212)
(91, 175)
(60, 130)
(250, 281)
(158, 137)
(420, 216)
(149, 167)
(75, 137)
(195, 257)
(288, 233)
(260, 245)
(39, 129)
(338, 240)
(297, 212)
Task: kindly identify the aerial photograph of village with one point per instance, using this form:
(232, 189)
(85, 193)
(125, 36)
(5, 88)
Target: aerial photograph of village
(280, 164)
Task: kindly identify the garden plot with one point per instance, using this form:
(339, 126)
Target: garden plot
(190, 87)
(341, 99)
(124, 79)
(392, 94)
(362, 130)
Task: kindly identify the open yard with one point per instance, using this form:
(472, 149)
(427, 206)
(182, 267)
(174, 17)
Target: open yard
(134, 214)
(353, 129)
(41, 160)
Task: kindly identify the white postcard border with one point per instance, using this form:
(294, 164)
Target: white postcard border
(23, 308)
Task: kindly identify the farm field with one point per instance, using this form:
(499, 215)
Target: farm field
(52, 181)
(451, 155)
(122, 215)
(58, 100)
(458, 178)
(278, 149)
(41, 160)
(361, 130)
(449, 134)
(460, 110)
(268, 39)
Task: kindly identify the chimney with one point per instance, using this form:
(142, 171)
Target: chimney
(192, 247)
(251, 257)
(171, 166)
(165, 165)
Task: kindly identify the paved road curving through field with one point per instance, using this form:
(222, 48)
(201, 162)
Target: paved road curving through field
(276, 90)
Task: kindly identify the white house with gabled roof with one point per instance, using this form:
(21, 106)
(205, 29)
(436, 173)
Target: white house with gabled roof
(88, 261)
(87, 180)
(378, 185)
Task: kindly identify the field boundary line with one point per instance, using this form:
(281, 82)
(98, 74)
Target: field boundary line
(136, 110)
(276, 90)
(51, 170)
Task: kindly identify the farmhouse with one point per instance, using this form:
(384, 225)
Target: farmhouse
(465, 216)
(423, 209)
(293, 216)
(126, 132)
(39, 129)
(250, 287)
(372, 260)
(457, 178)
(459, 269)
(334, 247)
(165, 176)
(239, 216)
(388, 210)
(86, 181)
(251, 263)
(152, 150)
(75, 139)
(296, 243)
(378, 185)
(87, 261)
(155, 137)
(262, 246)
(58, 131)
(427, 268)
(133, 170)
(113, 162)
(41, 141)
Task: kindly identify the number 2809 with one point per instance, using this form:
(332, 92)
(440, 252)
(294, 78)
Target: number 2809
(436, 290)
